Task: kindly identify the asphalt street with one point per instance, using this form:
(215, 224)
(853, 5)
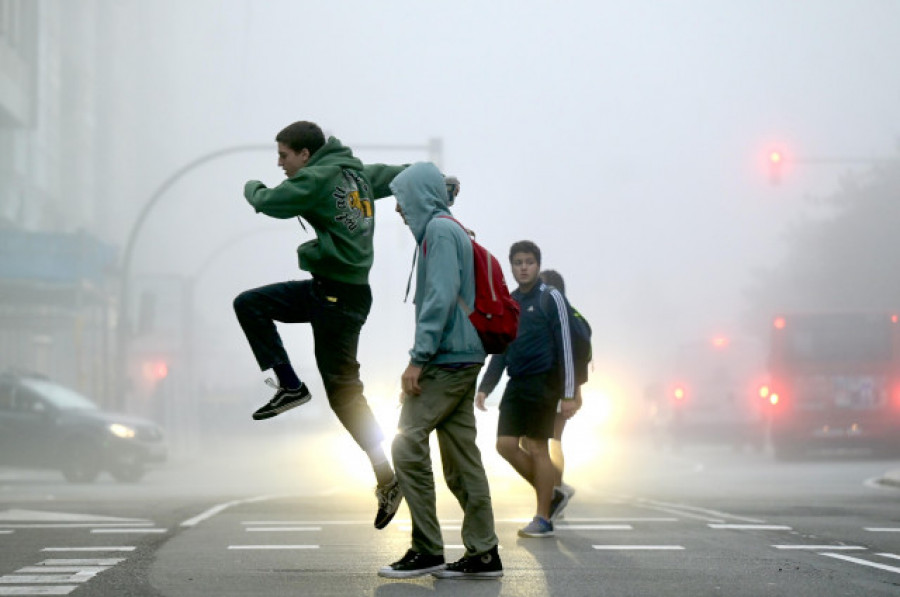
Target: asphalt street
(703, 521)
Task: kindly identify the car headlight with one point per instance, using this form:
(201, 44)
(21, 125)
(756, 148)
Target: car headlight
(123, 431)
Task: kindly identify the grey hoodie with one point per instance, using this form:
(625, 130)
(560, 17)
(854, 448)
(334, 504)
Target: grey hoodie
(445, 271)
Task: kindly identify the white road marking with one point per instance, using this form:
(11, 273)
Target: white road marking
(3, 532)
(87, 570)
(623, 519)
(57, 590)
(15, 515)
(882, 529)
(120, 531)
(252, 529)
(639, 547)
(45, 578)
(55, 571)
(751, 527)
(819, 547)
(890, 555)
(81, 562)
(318, 522)
(109, 548)
(862, 562)
(273, 547)
(692, 511)
(592, 527)
(74, 525)
(209, 513)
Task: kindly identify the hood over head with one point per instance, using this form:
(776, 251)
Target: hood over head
(421, 195)
(334, 153)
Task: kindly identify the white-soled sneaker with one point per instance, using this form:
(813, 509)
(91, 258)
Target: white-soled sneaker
(283, 400)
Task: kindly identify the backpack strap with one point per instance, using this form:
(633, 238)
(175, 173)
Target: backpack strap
(424, 249)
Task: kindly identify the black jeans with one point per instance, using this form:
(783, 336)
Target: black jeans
(337, 312)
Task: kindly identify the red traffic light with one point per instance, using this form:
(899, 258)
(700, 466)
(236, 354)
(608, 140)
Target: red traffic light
(776, 159)
(156, 370)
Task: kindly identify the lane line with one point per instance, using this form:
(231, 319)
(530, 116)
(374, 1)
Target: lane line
(623, 519)
(273, 529)
(57, 590)
(693, 511)
(639, 547)
(882, 529)
(81, 561)
(273, 547)
(890, 555)
(109, 548)
(820, 547)
(593, 527)
(862, 562)
(72, 525)
(750, 527)
(45, 578)
(121, 531)
(210, 512)
(315, 522)
(86, 570)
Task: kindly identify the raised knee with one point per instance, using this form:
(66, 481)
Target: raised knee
(241, 301)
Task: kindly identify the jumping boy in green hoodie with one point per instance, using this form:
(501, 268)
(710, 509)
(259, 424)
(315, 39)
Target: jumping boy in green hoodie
(333, 191)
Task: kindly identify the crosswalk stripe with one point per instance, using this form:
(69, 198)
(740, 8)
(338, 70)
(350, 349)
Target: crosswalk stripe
(862, 562)
(273, 547)
(819, 547)
(57, 590)
(97, 548)
(639, 547)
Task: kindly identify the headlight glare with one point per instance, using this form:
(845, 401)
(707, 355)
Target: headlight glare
(122, 431)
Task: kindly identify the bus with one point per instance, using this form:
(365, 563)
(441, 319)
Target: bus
(834, 382)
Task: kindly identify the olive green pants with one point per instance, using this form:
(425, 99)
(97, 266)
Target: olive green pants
(446, 405)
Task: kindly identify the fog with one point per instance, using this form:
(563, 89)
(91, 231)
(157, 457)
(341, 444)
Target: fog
(628, 140)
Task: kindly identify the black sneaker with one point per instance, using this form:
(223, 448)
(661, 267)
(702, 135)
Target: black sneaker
(558, 503)
(283, 400)
(484, 566)
(411, 565)
(389, 498)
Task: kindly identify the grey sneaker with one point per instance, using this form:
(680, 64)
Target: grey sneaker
(558, 503)
(283, 400)
(389, 498)
(411, 565)
(538, 527)
(482, 566)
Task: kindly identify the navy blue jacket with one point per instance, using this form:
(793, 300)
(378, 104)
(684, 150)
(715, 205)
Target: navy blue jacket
(543, 343)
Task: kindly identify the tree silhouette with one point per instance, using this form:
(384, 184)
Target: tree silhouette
(848, 260)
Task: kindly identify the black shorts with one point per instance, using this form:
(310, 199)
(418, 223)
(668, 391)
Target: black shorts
(528, 407)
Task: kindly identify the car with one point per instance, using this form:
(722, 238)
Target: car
(47, 425)
(712, 396)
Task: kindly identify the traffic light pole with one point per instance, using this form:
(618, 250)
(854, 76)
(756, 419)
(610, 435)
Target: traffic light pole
(777, 160)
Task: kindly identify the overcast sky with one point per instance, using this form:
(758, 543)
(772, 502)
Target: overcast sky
(628, 139)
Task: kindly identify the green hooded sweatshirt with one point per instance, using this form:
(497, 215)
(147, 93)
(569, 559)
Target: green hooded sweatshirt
(336, 194)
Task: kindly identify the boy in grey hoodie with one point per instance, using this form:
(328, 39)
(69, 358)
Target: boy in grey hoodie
(439, 389)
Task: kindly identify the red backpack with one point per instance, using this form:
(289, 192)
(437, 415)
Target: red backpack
(496, 313)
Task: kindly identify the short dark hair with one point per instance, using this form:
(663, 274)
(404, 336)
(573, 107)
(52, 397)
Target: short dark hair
(302, 135)
(553, 278)
(525, 246)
